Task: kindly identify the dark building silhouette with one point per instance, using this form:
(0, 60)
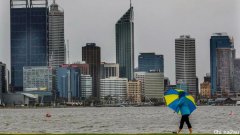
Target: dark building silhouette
(166, 83)
(3, 79)
(29, 37)
(91, 54)
(207, 78)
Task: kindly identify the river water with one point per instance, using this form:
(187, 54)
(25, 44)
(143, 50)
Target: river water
(206, 119)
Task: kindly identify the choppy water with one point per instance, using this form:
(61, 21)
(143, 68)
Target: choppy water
(116, 120)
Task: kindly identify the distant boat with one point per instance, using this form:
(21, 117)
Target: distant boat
(48, 115)
(238, 103)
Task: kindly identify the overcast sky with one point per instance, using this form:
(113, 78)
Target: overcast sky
(157, 24)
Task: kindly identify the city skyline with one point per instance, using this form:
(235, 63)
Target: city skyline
(150, 34)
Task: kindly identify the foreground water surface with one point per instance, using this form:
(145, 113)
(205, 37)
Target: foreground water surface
(206, 119)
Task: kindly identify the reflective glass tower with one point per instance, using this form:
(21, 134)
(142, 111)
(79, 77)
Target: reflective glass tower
(150, 61)
(29, 37)
(217, 41)
(125, 44)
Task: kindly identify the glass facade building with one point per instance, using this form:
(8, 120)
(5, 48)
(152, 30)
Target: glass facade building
(29, 37)
(125, 44)
(218, 40)
(37, 78)
(86, 86)
(68, 83)
(150, 61)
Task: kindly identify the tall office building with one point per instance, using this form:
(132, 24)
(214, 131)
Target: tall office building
(150, 61)
(57, 52)
(3, 80)
(185, 63)
(109, 70)
(29, 37)
(225, 63)
(91, 54)
(125, 44)
(236, 75)
(217, 41)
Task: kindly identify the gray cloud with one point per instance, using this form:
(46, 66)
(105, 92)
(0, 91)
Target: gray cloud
(157, 24)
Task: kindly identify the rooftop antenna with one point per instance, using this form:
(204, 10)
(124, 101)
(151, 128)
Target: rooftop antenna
(54, 1)
(130, 3)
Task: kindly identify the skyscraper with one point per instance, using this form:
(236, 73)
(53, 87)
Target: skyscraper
(236, 75)
(3, 80)
(57, 52)
(29, 37)
(91, 54)
(185, 60)
(125, 44)
(225, 63)
(150, 61)
(217, 41)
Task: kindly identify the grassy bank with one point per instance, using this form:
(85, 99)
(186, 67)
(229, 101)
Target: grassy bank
(96, 134)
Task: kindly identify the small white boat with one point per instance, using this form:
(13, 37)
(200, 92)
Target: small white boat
(238, 103)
